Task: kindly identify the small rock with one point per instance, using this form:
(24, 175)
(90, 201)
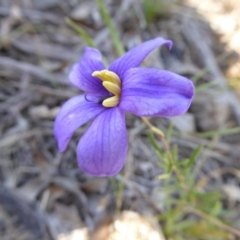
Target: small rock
(129, 225)
(232, 192)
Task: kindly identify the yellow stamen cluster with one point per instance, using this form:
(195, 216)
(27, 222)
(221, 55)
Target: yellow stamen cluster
(112, 83)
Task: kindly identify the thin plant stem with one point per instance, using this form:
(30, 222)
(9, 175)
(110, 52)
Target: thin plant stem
(160, 134)
(200, 213)
(120, 196)
(118, 189)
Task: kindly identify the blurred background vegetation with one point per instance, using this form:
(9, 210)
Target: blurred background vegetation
(178, 187)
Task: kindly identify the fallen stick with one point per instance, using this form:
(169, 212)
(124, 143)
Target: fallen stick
(14, 68)
(34, 16)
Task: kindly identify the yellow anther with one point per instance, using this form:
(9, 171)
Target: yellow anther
(112, 88)
(108, 76)
(111, 102)
(112, 83)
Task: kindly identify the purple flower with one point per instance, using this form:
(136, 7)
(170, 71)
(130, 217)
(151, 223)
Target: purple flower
(109, 93)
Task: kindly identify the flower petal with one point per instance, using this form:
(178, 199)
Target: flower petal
(81, 73)
(153, 92)
(74, 113)
(136, 55)
(103, 147)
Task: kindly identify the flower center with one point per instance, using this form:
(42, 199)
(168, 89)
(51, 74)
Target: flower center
(112, 83)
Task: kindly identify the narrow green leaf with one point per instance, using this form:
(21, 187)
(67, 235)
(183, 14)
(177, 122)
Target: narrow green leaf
(217, 208)
(163, 176)
(200, 74)
(222, 132)
(184, 224)
(204, 86)
(81, 32)
(113, 32)
(155, 144)
(169, 133)
(175, 153)
(194, 156)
